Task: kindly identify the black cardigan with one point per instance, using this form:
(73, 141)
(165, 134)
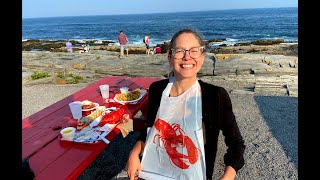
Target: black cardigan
(217, 115)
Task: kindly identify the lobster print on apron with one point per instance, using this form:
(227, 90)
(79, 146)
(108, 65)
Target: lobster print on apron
(174, 147)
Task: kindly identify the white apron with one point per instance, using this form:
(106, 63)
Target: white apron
(174, 145)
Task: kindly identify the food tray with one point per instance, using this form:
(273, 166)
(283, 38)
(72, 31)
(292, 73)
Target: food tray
(107, 128)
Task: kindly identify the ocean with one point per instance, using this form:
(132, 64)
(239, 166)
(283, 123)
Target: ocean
(237, 25)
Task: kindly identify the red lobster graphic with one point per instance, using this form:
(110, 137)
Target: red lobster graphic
(171, 141)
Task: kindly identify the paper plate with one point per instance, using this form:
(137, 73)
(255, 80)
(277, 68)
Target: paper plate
(129, 102)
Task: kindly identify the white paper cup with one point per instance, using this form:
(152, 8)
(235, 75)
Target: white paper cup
(68, 133)
(76, 109)
(104, 89)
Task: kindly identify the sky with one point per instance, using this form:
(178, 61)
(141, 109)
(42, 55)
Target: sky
(58, 8)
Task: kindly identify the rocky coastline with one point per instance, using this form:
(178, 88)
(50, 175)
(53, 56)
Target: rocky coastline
(270, 69)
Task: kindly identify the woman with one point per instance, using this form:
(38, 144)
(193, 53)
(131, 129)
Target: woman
(175, 136)
(69, 46)
(147, 43)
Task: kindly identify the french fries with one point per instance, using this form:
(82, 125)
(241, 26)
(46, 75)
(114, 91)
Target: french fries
(130, 96)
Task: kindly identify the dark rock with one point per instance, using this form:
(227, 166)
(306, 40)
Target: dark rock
(268, 42)
(216, 40)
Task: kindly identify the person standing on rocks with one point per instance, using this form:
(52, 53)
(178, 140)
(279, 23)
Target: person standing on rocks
(69, 46)
(184, 120)
(123, 40)
(147, 43)
(214, 60)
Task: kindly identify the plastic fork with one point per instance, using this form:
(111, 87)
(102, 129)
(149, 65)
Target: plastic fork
(96, 136)
(102, 137)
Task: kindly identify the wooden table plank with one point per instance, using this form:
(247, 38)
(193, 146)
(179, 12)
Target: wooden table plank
(63, 166)
(69, 159)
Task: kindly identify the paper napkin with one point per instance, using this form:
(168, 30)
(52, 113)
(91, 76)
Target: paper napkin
(126, 126)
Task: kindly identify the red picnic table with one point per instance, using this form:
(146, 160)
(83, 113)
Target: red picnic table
(51, 158)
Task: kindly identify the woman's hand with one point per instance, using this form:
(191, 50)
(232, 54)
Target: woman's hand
(133, 166)
(229, 174)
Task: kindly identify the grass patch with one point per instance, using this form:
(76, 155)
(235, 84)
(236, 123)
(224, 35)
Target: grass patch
(75, 79)
(69, 78)
(39, 75)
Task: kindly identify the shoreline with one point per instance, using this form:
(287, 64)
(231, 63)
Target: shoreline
(217, 46)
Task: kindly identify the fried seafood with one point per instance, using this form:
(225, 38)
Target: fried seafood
(86, 104)
(130, 96)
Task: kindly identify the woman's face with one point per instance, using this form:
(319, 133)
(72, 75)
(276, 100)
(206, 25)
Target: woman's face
(186, 67)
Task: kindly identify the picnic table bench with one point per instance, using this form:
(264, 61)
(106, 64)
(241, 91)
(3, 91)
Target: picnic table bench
(49, 157)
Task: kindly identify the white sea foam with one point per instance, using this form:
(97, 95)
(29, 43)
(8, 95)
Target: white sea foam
(228, 42)
(290, 43)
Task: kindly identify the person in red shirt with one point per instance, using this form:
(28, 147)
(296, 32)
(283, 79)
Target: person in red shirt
(158, 49)
(123, 40)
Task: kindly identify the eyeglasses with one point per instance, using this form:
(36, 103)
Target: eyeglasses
(194, 53)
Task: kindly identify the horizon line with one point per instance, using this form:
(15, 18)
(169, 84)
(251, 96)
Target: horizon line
(159, 12)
